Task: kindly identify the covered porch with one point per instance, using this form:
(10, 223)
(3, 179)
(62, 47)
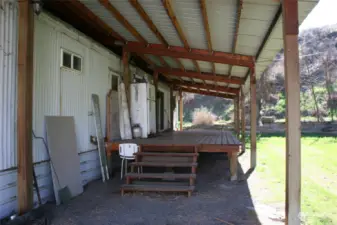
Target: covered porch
(190, 52)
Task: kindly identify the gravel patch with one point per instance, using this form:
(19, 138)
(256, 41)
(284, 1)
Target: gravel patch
(216, 201)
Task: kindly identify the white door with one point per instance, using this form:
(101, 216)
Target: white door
(73, 89)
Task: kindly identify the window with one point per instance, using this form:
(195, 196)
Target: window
(71, 61)
(114, 83)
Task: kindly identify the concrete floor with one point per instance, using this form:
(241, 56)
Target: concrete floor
(215, 201)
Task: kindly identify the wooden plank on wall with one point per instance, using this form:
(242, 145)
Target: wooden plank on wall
(25, 107)
(293, 123)
(252, 118)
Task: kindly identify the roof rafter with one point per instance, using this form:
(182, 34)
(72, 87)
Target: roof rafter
(236, 34)
(196, 54)
(208, 32)
(201, 76)
(209, 93)
(170, 12)
(207, 86)
(137, 6)
(207, 29)
(129, 27)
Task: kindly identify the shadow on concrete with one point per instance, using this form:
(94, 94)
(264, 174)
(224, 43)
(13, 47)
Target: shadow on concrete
(216, 201)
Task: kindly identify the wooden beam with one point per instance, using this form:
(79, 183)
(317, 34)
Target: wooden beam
(237, 103)
(25, 107)
(137, 6)
(236, 34)
(170, 12)
(181, 113)
(243, 122)
(234, 91)
(209, 93)
(201, 76)
(203, 8)
(252, 118)
(121, 19)
(196, 54)
(293, 116)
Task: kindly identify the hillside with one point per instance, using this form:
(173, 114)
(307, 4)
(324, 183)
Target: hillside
(318, 67)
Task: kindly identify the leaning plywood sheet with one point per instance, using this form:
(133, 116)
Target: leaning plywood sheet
(65, 162)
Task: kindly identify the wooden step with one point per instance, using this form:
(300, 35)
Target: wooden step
(156, 188)
(161, 175)
(164, 164)
(165, 154)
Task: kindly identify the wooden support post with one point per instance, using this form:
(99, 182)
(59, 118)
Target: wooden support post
(252, 118)
(25, 107)
(155, 82)
(293, 122)
(237, 128)
(181, 109)
(233, 165)
(243, 122)
(172, 101)
(235, 119)
(126, 75)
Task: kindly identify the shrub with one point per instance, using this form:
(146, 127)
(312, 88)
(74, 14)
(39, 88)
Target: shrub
(203, 116)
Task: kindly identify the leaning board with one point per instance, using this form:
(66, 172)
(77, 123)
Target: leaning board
(65, 162)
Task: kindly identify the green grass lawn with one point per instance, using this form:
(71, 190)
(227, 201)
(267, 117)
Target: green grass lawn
(319, 175)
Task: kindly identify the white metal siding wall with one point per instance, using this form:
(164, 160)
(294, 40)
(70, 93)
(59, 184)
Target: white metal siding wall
(8, 65)
(47, 99)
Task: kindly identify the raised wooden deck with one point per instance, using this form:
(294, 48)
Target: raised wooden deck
(189, 141)
(204, 140)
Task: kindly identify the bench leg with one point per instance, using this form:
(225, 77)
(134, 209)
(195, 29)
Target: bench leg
(233, 166)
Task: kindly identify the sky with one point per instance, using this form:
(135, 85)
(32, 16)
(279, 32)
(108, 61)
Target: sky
(324, 14)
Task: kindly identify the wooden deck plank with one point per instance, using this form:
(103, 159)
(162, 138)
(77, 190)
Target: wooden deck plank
(183, 140)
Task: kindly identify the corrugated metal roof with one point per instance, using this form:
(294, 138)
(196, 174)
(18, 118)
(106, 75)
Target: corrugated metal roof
(190, 18)
(8, 76)
(188, 64)
(132, 16)
(171, 62)
(221, 68)
(256, 18)
(222, 20)
(110, 20)
(205, 66)
(158, 14)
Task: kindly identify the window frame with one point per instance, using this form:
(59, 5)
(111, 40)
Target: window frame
(72, 54)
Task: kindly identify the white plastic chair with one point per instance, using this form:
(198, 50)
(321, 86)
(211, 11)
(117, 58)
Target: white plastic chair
(126, 152)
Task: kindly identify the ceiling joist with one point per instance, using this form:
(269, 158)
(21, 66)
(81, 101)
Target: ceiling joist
(236, 33)
(196, 54)
(207, 29)
(209, 93)
(122, 20)
(228, 90)
(201, 76)
(137, 6)
(170, 12)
